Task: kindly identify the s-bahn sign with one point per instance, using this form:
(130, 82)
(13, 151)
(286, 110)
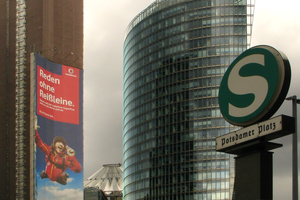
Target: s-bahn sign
(267, 130)
(254, 86)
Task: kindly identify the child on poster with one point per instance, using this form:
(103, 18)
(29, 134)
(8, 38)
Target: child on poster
(59, 157)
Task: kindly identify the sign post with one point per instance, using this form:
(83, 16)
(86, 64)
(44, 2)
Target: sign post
(295, 101)
(251, 91)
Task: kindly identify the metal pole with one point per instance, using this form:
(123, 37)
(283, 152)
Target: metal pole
(295, 151)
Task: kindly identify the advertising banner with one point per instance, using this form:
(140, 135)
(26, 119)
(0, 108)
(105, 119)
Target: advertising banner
(58, 130)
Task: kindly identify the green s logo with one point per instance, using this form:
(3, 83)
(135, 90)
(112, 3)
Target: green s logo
(254, 86)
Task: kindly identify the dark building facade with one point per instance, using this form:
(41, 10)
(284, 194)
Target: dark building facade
(175, 54)
(53, 29)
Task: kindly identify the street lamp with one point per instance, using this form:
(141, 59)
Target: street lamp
(71, 53)
(295, 101)
(43, 50)
(56, 54)
(78, 58)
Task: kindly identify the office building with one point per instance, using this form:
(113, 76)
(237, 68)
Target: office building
(175, 54)
(92, 193)
(55, 30)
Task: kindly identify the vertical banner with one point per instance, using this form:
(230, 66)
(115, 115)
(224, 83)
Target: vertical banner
(58, 130)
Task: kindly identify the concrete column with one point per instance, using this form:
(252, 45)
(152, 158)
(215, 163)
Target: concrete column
(254, 176)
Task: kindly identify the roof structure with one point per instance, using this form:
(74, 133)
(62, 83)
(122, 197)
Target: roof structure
(108, 178)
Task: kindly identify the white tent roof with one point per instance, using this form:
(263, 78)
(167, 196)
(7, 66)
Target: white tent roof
(108, 178)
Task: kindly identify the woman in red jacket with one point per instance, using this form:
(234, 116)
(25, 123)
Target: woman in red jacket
(58, 158)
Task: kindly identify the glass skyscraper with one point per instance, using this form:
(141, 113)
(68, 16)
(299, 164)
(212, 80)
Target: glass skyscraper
(175, 54)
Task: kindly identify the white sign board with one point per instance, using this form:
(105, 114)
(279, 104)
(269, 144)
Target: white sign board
(249, 133)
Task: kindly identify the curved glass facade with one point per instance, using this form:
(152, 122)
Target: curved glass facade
(175, 54)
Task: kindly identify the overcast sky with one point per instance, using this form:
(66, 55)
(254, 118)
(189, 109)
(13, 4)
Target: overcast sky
(276, 23)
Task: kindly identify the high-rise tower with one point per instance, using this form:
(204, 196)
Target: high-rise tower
(175, 54)
(55, 30)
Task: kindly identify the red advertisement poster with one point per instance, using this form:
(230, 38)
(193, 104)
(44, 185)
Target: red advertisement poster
(58, 94)
(58, 131)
